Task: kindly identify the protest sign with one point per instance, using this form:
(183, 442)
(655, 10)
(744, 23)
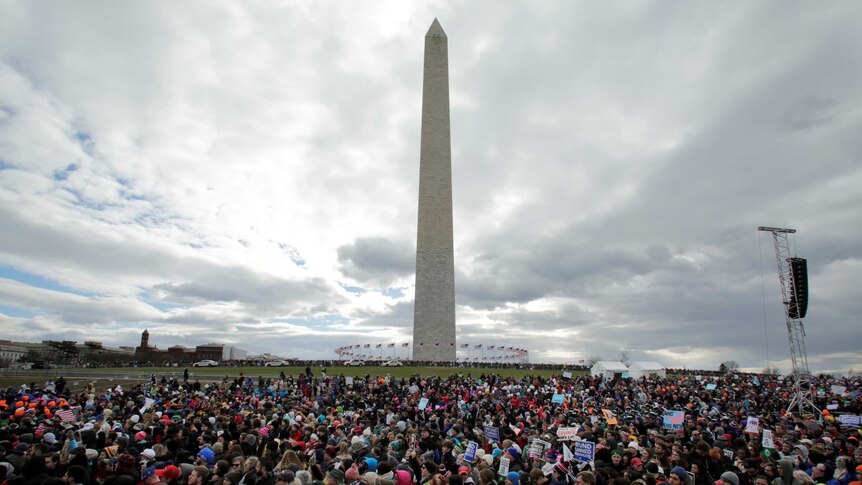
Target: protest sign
(673, 420)
(548, 468)
(567, 433)
(504, 467)
(711, 386)
(567, 453)
(609, 416)
(492, 433)
(423, 403)
(766, 441)
(148, 403)
(839, 389)
(558, 398)
(767, 445)
(470, 452)
(567, 374)
(537, 449)
(728, 454)
(752, 425)
(584, 451)
(348, 380)
(849, 420)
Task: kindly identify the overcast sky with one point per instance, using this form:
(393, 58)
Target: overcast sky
(247, 172)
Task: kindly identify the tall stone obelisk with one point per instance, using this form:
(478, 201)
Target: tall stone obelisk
(434, 311)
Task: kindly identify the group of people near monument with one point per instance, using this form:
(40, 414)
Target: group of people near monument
(463, 429)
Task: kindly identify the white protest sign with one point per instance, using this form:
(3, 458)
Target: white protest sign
(567, 453)
(348, 380)
(504, 467)
(548, 468)
(766, 440)
(567, 433)
(148, 403)
(728, 453)
(567, 374)
(849, 420)
(752, 425)
(838, 389)
(537, 449)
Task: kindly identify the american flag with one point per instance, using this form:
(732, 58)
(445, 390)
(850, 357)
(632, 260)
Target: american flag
(66, 415)
(378, 346)
(464, 346)
(477, 346)
(367, 346)
(490, 347)
(390, 346)
(451, 345)
(406, 344)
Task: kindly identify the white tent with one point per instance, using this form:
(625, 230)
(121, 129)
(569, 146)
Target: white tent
(608, 369)
(648, 369)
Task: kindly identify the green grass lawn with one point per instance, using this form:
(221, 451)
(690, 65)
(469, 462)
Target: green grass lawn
(132, 376)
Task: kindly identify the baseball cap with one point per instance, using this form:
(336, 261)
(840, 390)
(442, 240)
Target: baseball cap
(169, 472)
(148, 472)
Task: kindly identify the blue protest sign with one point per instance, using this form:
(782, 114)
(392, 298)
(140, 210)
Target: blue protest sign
(470, 452)
(711, 387)
(423, 403)
(558, 398)
(850, 420)
(492, 433)
(673, 420)
(584, 451)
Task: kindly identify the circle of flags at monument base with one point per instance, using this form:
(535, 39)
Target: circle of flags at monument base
(465, 352)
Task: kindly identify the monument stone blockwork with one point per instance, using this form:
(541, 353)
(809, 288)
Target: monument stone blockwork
(434, 312)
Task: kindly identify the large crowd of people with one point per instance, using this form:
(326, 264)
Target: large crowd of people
(467, 428)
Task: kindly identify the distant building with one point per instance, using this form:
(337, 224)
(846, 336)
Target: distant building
(145, 348)
(10, 352)
(39, 350)
(93, 348)
(95, 351)
(219, 352)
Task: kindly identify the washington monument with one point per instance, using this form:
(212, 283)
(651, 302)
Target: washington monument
(434, 311)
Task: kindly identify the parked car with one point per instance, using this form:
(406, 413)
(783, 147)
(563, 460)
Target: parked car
(354, 363)
(392, 363)
(276, 363)
(205, 363)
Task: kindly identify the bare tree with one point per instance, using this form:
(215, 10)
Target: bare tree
(771, 371)
(728, 366)
(591, 360)
(626, 357)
